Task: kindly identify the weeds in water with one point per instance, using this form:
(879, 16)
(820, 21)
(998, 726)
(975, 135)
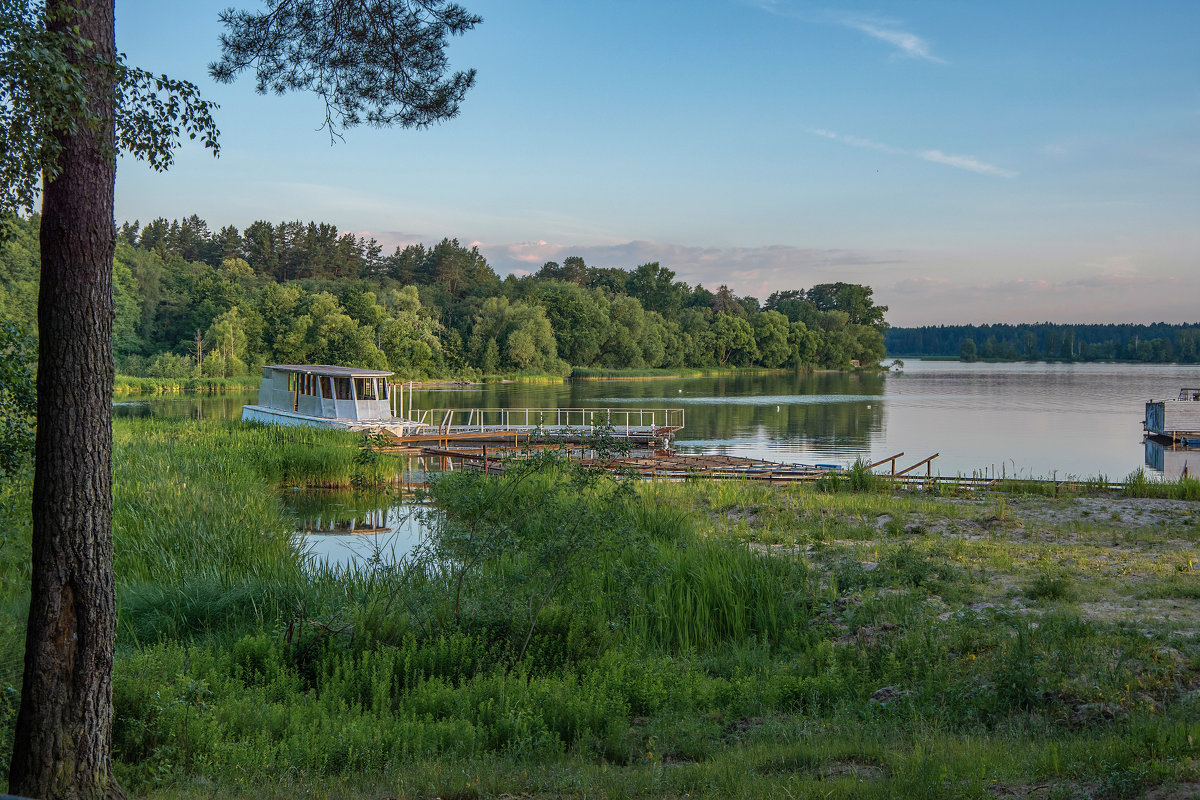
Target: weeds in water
(1137, 484)
(860, 477)
(829, 483)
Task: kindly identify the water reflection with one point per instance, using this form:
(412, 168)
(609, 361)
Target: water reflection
(1037, 420)
(340, 528)
(1172, 462)
(188, 405)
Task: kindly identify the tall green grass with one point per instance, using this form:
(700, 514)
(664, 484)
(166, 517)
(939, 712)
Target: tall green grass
(706, 594)
(1138, 484)
(202, 543)
(612, 639)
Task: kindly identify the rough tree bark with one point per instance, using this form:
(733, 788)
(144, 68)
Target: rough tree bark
(64, 728)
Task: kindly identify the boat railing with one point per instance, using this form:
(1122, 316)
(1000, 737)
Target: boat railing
(622, 421)
(1189, 394)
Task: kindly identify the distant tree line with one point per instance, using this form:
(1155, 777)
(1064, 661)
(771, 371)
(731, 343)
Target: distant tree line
(190, 300)
(1046, 341)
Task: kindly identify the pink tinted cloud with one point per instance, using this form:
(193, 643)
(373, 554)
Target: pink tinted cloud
(746, 270)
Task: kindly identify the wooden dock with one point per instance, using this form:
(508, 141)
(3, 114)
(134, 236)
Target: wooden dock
(675, 466)
(1175, 421)
(645, 427)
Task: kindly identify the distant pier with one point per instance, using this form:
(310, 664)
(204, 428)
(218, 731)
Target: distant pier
(1175, 421)
(643, 427)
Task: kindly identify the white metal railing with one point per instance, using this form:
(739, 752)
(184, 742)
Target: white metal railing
(623, 421)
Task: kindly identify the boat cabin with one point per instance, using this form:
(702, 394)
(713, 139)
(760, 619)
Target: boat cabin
(318, 390)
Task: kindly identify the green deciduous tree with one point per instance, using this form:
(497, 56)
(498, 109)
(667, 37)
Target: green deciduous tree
(803, 344)
(409, 337)
(771, 338)
(579, 317)
(18, 400)
(513, 336)
(733, 341)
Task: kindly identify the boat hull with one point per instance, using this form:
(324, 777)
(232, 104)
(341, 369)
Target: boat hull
(276, 416)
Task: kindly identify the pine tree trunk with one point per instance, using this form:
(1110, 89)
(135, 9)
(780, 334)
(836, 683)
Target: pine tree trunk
(63, 738)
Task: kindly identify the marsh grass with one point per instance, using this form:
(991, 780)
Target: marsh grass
(717, 639)
(1138, 484)
(709, 594)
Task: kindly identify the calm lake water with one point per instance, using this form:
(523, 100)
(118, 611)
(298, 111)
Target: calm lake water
(1026, 419)
(345, 527)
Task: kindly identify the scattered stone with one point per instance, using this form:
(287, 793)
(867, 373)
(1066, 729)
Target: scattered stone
(746, 723)
(1091, 713)
(862, 770)
(1169, 655)
(867, 634)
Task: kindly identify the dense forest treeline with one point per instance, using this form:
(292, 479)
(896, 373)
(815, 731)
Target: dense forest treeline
(1156, 343)
(190, 301)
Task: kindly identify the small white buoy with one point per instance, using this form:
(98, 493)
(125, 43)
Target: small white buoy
(868, 405)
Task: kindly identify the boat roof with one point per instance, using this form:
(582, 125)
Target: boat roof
(326, 369)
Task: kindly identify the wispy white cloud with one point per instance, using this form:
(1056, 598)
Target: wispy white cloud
(965, 162)
(908, 45)
(970, 163)
(856, 141)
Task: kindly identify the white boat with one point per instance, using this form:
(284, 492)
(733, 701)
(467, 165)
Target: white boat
(323, 396)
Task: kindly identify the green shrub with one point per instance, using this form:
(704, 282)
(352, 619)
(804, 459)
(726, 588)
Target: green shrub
(860, 477)
(829, 483)
(1052, 585)
(1137, 484)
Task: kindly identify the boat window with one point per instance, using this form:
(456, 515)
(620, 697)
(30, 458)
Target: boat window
(383, 389)
(326, 387)
(364, 388)
(293, 381)
(343, 388)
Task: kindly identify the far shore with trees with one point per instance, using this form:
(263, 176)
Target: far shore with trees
(1154, 343)
(194, 303)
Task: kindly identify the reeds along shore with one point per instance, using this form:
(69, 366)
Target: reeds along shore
(568, 633)
(127, 384)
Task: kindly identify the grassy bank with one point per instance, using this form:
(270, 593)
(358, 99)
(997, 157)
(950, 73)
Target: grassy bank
(567, 634)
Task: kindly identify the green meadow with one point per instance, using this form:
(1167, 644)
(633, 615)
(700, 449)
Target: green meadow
(562, 633)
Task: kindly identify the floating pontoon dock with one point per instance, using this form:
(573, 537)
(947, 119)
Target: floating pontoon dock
(1175, 420)
(645, 427)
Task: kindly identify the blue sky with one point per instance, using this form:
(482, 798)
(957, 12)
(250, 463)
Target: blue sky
(973, 162)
